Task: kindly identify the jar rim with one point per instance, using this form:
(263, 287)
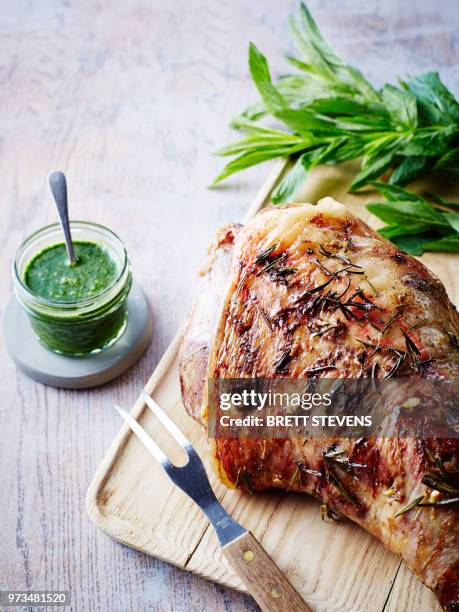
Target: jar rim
(102, 229)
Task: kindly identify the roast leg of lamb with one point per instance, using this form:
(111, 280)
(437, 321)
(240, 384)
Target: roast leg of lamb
(307, 291)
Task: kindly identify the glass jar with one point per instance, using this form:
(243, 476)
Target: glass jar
(86, 325)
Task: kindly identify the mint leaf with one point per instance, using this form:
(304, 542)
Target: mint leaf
(413, 223)
(319, 56)
(251, 158)
(393, 231)
(453, 220)
(261, 76)
(408, 212)
(436, 101)
(372, 168)
(443, 201)
(401, 105)
(397, 194)
(449, 161)
(410, 128)
(409, 169)
(300, 121)
(430, 142)
(413, 244)
(448, 244)
(297, 176)
(291, 183)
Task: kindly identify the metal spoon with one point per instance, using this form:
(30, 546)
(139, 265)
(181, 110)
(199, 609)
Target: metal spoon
(58, 186)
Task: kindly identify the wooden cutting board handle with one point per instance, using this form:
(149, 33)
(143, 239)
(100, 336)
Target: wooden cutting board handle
(263, 579)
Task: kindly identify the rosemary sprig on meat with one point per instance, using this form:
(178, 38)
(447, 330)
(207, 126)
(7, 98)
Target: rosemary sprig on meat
(344, 463)
(317, 369)
(373, 376)
(411, 347)
(334, 459)
(271, 263)
(357, 307)
(400, 357)
(281, 365)
(417, 325)
(339, 256)
(281, 275)
(372, 287)
(263, 256)
(437, 480)
(333, 479)
(439, 483)
(302, 466)
(409, 506)
(293, 478)
(324, 329)
(440, 502)
(265, 318)
(389, 323)
(277, 272)
(421, 502)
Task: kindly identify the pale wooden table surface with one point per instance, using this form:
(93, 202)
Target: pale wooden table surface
(130, 99)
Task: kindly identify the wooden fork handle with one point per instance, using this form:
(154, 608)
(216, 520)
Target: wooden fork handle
(261, 576)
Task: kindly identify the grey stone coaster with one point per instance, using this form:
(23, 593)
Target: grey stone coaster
(49, 368)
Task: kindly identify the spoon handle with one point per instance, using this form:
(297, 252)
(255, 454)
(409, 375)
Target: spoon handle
(58, 186)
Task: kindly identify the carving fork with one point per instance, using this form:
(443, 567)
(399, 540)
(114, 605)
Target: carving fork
(262, 578)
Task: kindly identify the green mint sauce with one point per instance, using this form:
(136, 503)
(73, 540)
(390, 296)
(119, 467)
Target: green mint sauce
(50, 276)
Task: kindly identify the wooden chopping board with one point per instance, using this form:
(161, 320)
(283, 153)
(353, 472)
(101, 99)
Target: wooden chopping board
(335, 566)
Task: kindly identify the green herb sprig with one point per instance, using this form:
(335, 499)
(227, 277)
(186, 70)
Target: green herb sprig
(329, 113)
(414, 224)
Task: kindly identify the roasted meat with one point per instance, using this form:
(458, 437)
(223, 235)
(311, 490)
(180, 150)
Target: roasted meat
(308, 291)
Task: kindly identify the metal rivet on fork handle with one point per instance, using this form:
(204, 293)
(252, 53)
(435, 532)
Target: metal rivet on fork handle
(277, 593)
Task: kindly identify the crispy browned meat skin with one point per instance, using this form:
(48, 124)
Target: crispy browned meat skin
(312, 306)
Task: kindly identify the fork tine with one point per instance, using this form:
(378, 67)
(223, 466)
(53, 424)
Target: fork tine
(192, 478)
(149, 444)
(166, 421)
